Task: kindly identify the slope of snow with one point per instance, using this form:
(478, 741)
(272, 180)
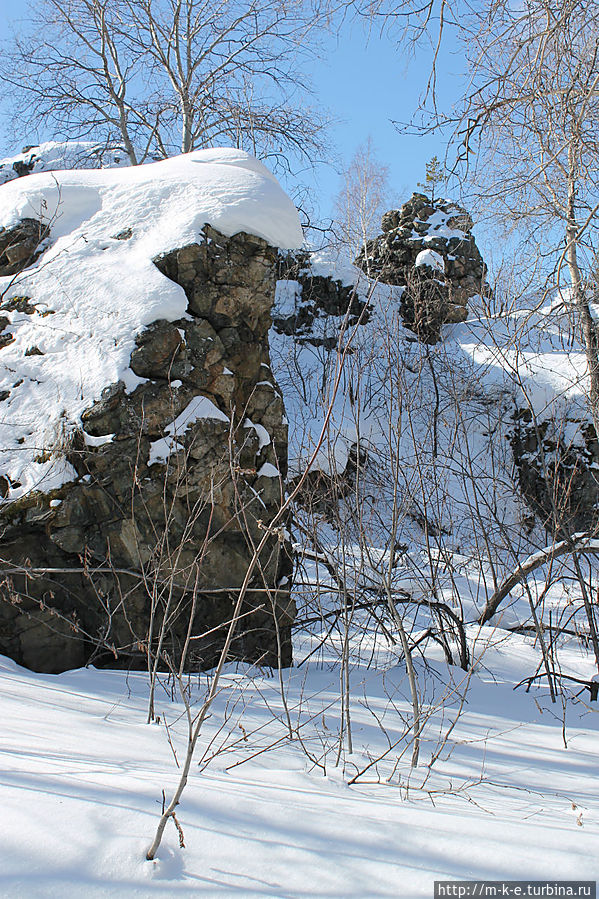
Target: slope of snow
(533, 352)
(95, 287)
(82, 780)
(529, 354)
(435, 425)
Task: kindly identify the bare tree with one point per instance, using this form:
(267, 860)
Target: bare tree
(195, 720)
(167, 76)
(524, 134)
(364, 196)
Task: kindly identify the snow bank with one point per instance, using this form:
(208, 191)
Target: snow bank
(172, 199)
(96, 287)
(83, 774)
(533, 354)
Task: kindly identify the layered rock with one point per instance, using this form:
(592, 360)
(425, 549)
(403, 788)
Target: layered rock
(428, 248)
(175, 482)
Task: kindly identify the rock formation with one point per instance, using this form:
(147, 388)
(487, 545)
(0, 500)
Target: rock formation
(427, 247)
(150, 504)
(21, 245)
(307, 299)
(54, 156)
(558, 470)
(184, 514)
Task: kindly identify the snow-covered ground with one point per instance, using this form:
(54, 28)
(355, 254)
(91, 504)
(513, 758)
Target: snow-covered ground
(82, 778)
(279, 803)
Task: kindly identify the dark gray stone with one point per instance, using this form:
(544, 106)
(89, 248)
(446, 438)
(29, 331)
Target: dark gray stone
(320, 297)
(430, 298)
(20, 245)
(128, 534)
(558, 480)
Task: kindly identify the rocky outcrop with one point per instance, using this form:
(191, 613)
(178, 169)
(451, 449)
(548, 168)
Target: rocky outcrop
(58, 155)
(176, 482)
(308, 300)
(428, 248)
(558, 470)
(21, 245)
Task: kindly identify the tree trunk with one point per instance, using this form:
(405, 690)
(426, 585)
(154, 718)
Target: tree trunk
(581, 300)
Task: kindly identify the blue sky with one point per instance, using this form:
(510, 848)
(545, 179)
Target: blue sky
(365, 82)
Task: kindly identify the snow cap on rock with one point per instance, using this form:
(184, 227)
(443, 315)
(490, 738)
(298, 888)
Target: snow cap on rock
(69, 321)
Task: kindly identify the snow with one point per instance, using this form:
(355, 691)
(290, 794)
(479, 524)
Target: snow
(263, 435)
(484, 369)
(432, 259)
(287, 295)
(227, 188)
(58, 155)
(83, 776)
(438, 227)
(337, 265)
(98, 441)
(94, 292)
(199, 407)
(534, 351)
(268, 470)
(506, 785)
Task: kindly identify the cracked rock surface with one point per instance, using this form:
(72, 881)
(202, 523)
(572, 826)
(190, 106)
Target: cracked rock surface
(168, 502)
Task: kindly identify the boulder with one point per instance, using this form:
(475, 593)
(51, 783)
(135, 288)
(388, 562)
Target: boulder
(557, 464)
(21, 245)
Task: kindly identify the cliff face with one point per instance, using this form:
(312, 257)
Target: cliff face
(307, 303)
(557, 463)
(148, 508)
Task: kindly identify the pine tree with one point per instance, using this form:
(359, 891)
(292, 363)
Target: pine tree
(435, 174)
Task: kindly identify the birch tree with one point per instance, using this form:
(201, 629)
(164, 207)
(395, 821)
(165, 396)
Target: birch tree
(524, 132)
(364, 196)
(166, 76)
(531, 126)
